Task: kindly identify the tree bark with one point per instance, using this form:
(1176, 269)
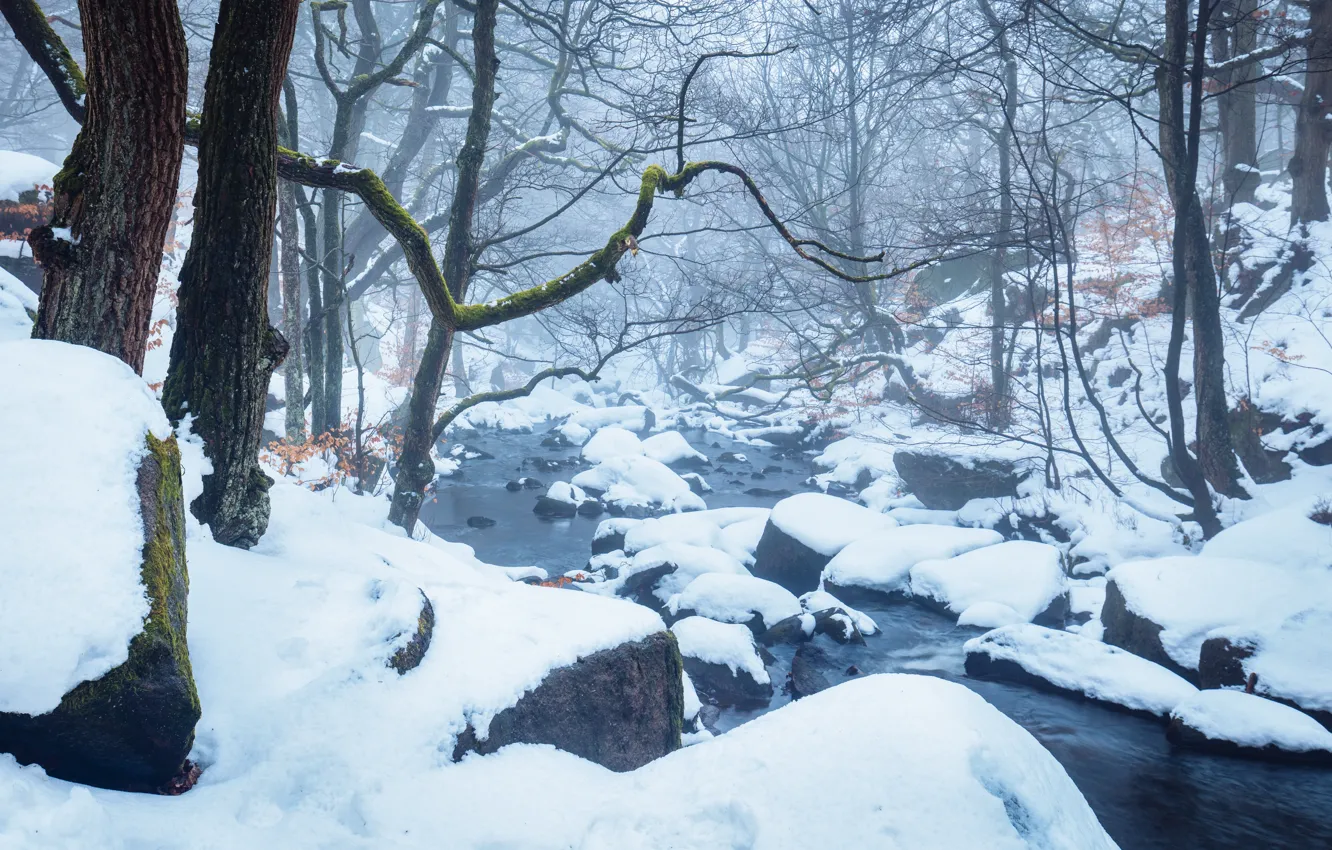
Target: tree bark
(1313, 128)
(114, 196)
(416, 467)
(1237, 108)
(224, 351)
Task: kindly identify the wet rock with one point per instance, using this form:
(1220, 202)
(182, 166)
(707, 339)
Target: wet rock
(765, 493)
(462, 451)
(556, 440)
(757, 476)
(697, 484)
(640, 586)
(532, 484)
(591, 508)
(621, 708)
(806, 677)
(514, 486)
(1221, 663)
(837, 624)
(795, 629)
(548, 507)
(731, 457)
(132, 728)
(409, 657)
(722, 687)
(1234, 723)
(771, 469)
(782, 559)
(942, 483)
(480, 522)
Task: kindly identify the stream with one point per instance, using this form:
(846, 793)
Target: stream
(1146, 793)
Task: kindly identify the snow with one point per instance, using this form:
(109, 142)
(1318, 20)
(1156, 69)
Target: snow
(500, 417)
(1023, 575)
(563, 491)
(989, 615)
(825, 523)
(21, 172)
(698, 528)
(1304, 543)
(744, 536)
(74, 422)
(16, 300)
(580, 426)
(734, 598)
(1076, 663)
(639, 481)
(1193, 597)
(1290, 658)
(882, 561)
(731, 644)
(690, 562)
(1251, 721)
(670, 447)
(610, 442)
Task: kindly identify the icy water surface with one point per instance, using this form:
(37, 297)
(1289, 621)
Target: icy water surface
(1148, 795)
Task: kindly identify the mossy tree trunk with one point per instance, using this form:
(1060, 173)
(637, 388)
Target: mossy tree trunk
(224, 351)
(114, 196)
(416, 468)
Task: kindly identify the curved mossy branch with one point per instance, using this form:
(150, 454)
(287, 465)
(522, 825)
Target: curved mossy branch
(48, 51)
(363, 84)
(462, 406)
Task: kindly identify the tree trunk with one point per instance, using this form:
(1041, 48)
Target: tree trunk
(312, 341)
(998, 412)
(293, 368)
(1192, 263)
(416, 467)
(224, 351)
(1237, 107)
(116, 192)
(1313, 129)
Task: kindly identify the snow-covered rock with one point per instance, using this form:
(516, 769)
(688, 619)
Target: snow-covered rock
(23, 172)
(804, 532)
(1237, 723)
(18, 305)
(73, 428)
(639, 482)
(1025, 576)
(610, 442)
(670, 447)
(821, 600)
(882, 561)
(723, 661)
(578, 429)
(1066, 662)
(654, 575)
(733, 598)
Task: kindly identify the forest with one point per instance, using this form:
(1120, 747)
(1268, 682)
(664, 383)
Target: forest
(666, 424)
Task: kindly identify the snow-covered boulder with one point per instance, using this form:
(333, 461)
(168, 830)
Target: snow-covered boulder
(610, 442)
(1068, 663)
(672, 449)
(21, 173)
(822, 602)
(943, 482)
(609, 535)
(1236, 723)
(1286, 660)
(654, 575)
(1304, 543)
(724, 662)
(18, 306)
(882, 562)
(95, 681)
(804, 532)
(1026, 577)
(732, 598)
(580, 427)
(620, 707)
(1164, 609)
(629, 483)
(561, 500)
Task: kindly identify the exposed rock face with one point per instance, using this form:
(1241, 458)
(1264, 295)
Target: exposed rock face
(1221, 663)
(942, 483)
(410, 656)
(720, 686)
(1129, 630)
(548, 507)
(621, 708)
(782, 559)
(132, 728)
(805, 676)
(788, 630)
(640, 586)
(837, 624)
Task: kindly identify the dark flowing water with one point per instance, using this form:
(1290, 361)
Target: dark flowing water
(1147, 794)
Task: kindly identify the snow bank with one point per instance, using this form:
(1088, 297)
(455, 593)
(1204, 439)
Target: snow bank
(882, 561)
(1074, 663)
(698, 528)
(1251, 721)
(22, 172)
(611, 442)
(639, 481)
(734, 598)
(1025, 576)
(671, 447)
(499, 417)
(826, 523)
(730, 644)
(580, 427)
(72, 434)
(1303, 542)
(16, 300)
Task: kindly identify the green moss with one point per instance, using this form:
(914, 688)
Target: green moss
(162, 643)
